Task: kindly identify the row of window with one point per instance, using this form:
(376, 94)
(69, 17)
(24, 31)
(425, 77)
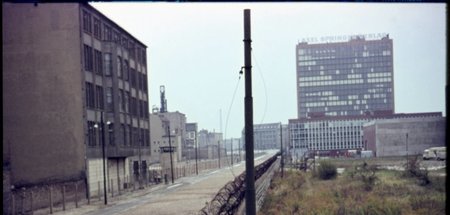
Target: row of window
(344, 110)
(345, 89)
(336, 82)
(132, 105)
(94, 99)
(343, 73)
(131, 136)
(336, 98)
(327, 136)
(95, 134)
(341, 50)
(316, 138)
(358, 58)
(343, 76)
(93, 62)
(336, 124)
(127, 103)
(347, 58)
(313, 66)
(314, 143)
(377, 80)
(134, 136)
(343, 102)
(110, 34)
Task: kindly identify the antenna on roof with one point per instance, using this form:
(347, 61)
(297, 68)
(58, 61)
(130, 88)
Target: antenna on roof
(162, 91)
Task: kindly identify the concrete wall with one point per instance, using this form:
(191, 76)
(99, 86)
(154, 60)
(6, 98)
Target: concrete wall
(117, 170)
(95, 177)
(390, 135)
(369, 140)
(42, 93)
(34, 198)
(166, 164)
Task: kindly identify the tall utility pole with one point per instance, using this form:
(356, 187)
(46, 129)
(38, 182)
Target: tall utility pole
(196, 154)
(407, 145)
(170, 151)
(218, 151)
(407, 161)
(250, 203)
(281, 150)
(231, 151)
(240, 150)
(104, 158)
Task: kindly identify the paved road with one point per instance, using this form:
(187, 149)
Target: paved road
(186, 196)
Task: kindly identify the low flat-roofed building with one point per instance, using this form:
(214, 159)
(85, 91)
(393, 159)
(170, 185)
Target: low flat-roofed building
(333, 136)
(404, 136)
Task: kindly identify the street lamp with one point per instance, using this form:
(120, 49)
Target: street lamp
(406, 145)
(170, 151)
(102, 124)
(140, 165)
(281, 149)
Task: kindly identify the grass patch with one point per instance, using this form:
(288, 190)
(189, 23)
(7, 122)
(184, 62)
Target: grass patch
(302, 193)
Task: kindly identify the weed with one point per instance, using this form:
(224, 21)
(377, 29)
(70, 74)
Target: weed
(326, 170)
(433, 204)
(365, 173)
(393, 194)
(412, 169)
(437, 183)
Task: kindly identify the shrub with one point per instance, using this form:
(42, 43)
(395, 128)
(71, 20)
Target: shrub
(412, 169)
(367, 175)
(326, 170)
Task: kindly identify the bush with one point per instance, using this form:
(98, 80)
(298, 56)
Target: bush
(326, 170)
(366, 173)
(412, 169)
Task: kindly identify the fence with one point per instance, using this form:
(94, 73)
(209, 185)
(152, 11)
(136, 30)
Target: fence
(229, 199)
(157, 174)
(49, 198)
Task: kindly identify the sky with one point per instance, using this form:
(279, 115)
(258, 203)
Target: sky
(196, 50)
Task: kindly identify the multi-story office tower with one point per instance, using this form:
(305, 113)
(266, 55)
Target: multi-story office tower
(345, 78)
(65, 65)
